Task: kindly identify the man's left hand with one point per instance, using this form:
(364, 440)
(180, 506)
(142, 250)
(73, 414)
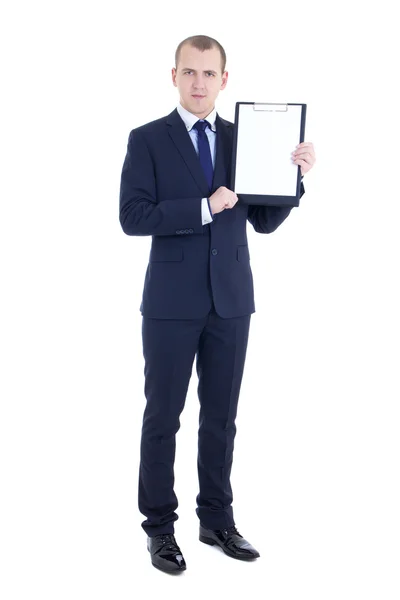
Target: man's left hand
(304, 156)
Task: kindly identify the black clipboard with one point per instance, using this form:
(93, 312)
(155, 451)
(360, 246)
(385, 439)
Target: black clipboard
(263, 122)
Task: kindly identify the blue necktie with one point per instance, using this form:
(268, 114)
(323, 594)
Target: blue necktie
(204, 150)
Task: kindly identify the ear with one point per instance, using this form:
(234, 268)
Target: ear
(224, 80)
(173, 73)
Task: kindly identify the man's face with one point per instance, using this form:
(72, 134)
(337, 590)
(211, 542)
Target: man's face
(199, 79)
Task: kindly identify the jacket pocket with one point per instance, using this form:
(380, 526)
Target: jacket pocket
(243, 254)
(166, 254)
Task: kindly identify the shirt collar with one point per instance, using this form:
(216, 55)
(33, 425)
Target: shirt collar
(190, 119)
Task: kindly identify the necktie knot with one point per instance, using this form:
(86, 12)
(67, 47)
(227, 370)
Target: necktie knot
(202, 125)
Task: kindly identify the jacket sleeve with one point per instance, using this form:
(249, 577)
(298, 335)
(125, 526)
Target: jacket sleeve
(265, 219)
(139, 211)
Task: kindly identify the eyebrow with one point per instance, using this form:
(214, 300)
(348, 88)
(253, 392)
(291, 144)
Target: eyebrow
(205, 71)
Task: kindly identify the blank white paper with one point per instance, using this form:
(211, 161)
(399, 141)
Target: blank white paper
(266, 140)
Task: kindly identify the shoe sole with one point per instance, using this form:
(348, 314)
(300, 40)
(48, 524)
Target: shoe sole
(212, 542)
(176, 572)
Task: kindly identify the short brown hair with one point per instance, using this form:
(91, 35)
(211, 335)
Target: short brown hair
(202, 42)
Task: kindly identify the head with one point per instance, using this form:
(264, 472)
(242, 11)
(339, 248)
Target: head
(199, 73)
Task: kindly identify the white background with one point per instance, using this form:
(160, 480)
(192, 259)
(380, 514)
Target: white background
(316, 469)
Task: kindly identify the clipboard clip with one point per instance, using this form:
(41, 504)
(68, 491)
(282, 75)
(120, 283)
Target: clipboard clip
(270, 106)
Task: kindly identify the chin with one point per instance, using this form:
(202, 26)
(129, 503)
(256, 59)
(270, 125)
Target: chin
(199, 106)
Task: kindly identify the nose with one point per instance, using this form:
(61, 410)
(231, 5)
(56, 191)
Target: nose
(198, 83)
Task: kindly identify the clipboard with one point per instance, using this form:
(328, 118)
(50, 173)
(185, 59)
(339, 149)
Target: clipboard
(264, 136)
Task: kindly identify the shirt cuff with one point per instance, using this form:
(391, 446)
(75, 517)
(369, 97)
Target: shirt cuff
(206, 215)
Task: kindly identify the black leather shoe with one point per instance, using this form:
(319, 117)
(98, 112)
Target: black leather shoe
(165, 553)
(231, 542)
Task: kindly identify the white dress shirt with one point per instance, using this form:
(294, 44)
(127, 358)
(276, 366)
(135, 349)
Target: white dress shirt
(189, 120)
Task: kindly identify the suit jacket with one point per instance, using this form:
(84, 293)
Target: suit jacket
(190, 265)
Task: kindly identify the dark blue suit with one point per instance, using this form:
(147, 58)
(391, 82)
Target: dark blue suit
(197, 302)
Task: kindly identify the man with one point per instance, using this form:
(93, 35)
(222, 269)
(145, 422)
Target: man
(197, 298)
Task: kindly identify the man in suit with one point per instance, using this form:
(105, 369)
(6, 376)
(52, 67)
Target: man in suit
(197, 298)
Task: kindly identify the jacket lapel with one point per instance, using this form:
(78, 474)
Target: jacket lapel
(223, 153)
(184, 144)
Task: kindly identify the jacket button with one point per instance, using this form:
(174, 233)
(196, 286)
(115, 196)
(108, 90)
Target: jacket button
(186, 230)
(214, 251)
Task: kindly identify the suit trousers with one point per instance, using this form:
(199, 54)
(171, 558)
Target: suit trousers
(169, 349)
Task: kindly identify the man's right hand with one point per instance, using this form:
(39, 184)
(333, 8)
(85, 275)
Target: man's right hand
(222, 198)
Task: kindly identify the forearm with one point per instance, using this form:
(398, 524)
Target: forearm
(140, 216)
(140, 212)
(266, 219)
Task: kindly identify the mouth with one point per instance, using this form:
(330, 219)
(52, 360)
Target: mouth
(197, 96)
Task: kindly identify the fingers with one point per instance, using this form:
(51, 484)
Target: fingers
(228, 197)
(305, 148)
(304, 166)
(301, 163)
(303, 155)
(230, 203)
